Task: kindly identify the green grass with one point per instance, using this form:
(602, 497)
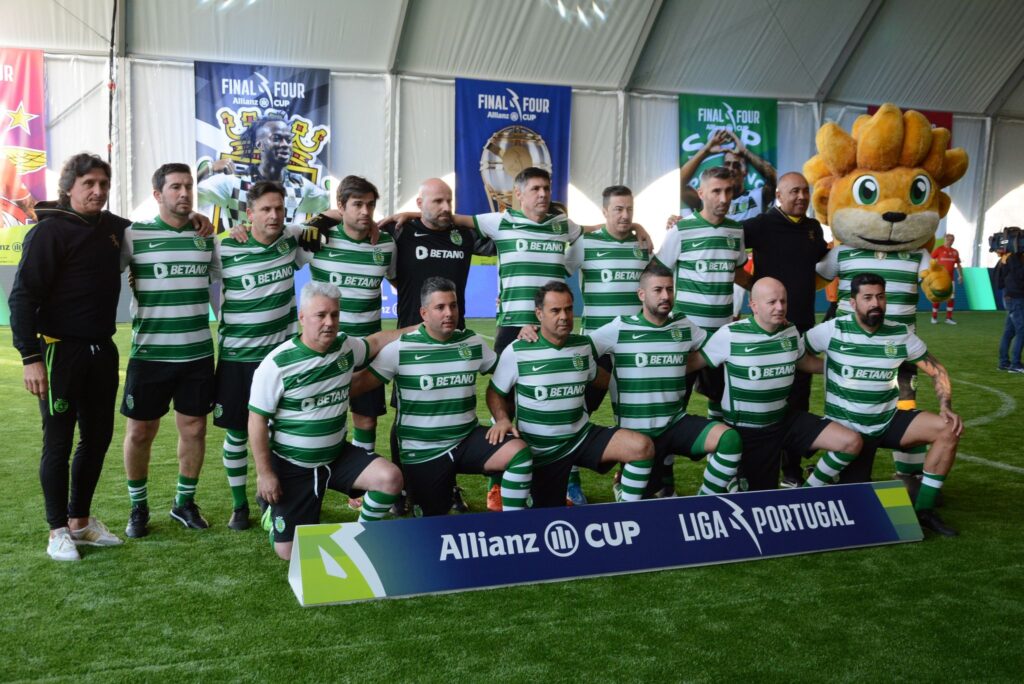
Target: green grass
(216, 605)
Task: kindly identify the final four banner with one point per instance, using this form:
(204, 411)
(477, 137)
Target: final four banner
(753, 120)
(501, 129)
(345, 562)
(261, 123)
(22, 135)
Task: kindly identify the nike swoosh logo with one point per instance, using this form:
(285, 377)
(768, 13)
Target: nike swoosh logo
(537, 368)
(154, 245)
(845, 348)
(421, 234)
(420, 357)
(334, 255)
(639, 335)
(601, 254)
(238, 256)
(749, 349)
(698, 244)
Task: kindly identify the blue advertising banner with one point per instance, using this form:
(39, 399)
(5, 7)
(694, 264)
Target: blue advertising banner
(345, 562)
(261, 123)
(501, 129)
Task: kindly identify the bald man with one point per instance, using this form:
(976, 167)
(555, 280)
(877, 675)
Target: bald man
(786, 244)
(760, 356)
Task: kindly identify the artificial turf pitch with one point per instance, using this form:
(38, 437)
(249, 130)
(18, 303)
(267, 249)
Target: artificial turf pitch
(215, 605)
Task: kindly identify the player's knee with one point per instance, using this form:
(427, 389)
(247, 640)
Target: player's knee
(644, 449)
(388, 478)
(283, 550)
(141, 432)
(852, 443)
(193, 428)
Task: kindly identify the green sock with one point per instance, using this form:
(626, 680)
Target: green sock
(376, 505)
(931, 484)
(634, 480)
(828, 467)
(137, 492)
(186, 492)
(574, 476)
(364, 438)
(516, 480)
(237, 466)
(909, 461)
(493, 481)
(722, 465)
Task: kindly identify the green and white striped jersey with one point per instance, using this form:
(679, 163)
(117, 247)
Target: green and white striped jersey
(759, 370)
(704, 258)
(258, 296)
(305, 395)
(357, 268)
(436, 385)
(861, 387)
(549, 384)
(171, 269)
(609, 276)
(529, 255)
(649, 378)
(901, 270)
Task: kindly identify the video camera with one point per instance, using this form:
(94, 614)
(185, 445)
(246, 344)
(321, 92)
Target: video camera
(1008, 241)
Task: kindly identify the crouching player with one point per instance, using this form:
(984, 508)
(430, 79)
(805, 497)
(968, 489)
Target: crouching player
(863, 354)
(649, 354)
(547, 380)
(435, 369)
(302, 389)
(760, 356)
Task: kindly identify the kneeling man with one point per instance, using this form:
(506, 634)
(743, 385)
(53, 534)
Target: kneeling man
(297, 411)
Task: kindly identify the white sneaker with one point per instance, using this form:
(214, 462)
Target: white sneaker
(95, 534)
(62, 546)
(950, 321)
(934, 321)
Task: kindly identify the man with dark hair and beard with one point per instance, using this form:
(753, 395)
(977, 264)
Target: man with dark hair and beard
(863, 352)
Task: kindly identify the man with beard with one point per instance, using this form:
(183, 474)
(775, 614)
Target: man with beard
(863, 353)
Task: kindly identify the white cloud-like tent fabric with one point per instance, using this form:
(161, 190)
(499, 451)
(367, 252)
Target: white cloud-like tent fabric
(393, 65)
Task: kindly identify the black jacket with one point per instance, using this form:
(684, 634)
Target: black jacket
(69, 279)
(1010, 276)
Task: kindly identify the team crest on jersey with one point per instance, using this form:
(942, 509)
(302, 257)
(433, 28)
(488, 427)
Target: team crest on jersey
(465, 352)
(199, 242)
(558, 228)
(343, 363)
(676, 334)
(577, 361)
(890, 350)
(786, 343)
(282, 248)
(638, 252)
(456, 237)
(378, 256)
(218, 410)
(60, 405)
(731, 242)
(129, 401)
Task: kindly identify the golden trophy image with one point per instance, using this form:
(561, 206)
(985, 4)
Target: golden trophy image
(506, 153)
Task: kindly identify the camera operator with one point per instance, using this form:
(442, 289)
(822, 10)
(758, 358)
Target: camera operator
(1010, 279)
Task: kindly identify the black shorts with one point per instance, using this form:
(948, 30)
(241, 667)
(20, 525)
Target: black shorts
(372, 403)
(762, 446)
(150, 386)
(430, 483)
(550, 480)
(592, 397)
(859, 469)
(679, 438)
(303, 489)
(709, 381)
(231, 404)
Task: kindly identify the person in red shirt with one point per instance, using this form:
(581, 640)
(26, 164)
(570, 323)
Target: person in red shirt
(950, 259)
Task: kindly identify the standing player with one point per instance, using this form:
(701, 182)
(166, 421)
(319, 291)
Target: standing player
(257, 314)
(302, 388)
(863, 353)
(650, 351)
(950, 260)
(760, 356)
(227, 193)
(706, 253)
(357, 267)
(609, 261)
(902, 271)
(172, 351)
(546, 379)
(435, 370)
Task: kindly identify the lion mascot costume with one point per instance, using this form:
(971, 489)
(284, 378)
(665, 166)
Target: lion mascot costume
(879, 189)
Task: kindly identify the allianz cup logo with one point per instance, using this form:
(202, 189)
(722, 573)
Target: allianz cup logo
(561, 538)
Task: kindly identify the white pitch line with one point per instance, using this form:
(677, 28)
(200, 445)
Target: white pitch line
(1008, 405)
(991, 464)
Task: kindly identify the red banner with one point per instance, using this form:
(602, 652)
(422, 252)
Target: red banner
(22, 134)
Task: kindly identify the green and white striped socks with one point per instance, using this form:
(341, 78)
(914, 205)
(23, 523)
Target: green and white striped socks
(376, 505)
(722, 464)
(237, 465)
(828, 468)
(516, 480)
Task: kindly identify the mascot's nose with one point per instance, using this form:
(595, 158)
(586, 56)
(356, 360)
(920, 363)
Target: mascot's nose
(893, 216)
